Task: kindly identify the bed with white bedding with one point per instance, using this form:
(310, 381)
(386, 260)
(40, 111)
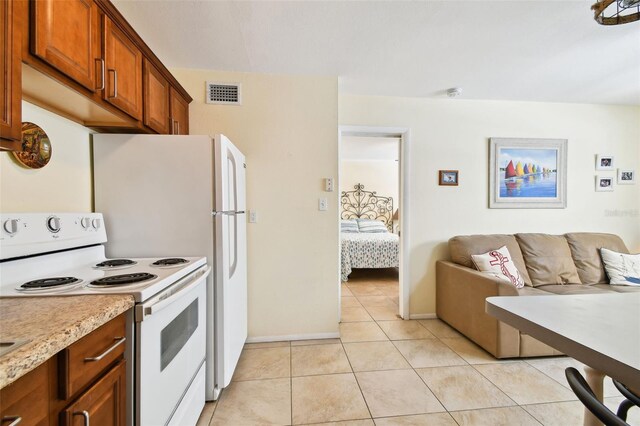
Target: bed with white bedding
(368, 250)
(366, 238)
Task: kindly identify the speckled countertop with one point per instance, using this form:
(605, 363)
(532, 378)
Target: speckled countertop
(51, 324)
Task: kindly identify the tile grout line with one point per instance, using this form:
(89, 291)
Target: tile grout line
(357, 382)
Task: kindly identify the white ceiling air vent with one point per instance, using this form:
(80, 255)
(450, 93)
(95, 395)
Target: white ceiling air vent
(224, 93)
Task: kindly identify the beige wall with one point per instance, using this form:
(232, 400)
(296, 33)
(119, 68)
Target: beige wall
(287, 128)
(453, 134)
(380, 176)
(63, 185)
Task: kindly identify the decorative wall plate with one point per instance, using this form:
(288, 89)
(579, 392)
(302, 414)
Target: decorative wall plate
(36, 147)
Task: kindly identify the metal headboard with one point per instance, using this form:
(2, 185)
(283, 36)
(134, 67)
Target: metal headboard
(359, 204)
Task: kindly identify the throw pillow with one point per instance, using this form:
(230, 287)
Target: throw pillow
(622, 269)
(500, 263)
(349, 226)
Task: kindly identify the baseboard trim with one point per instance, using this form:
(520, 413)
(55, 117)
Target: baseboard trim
(423, 316)
(310, 336)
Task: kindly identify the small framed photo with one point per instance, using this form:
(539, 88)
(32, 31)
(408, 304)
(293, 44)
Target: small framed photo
(448, 177)
(604, 183)
(604, 162)
(626, 177)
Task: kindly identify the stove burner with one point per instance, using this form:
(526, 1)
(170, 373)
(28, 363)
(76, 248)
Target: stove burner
(114, 263)
(171, 261)
(124, 279)
(49, 283)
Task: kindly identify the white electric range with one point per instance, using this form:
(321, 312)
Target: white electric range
(62, 254)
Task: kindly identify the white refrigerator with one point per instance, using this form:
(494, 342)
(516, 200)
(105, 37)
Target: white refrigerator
(182, 195)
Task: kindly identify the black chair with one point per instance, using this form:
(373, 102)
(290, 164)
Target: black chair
(587, 397)
(632, 400)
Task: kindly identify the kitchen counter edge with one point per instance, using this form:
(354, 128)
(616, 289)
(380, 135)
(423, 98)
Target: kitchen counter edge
(50, 324)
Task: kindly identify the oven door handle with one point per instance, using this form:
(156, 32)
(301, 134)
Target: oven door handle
(162, 301)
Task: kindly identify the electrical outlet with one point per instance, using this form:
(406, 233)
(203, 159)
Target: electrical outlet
(328, 184)
(322, 204)
(253, 216)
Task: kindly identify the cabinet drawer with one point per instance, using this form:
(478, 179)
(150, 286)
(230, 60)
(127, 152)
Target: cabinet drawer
(27, 398)
(103, 404)
(82, 362)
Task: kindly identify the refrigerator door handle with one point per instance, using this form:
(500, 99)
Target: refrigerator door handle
(227, 212)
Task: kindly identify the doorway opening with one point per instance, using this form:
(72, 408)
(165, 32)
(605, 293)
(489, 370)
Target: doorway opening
(373, 209)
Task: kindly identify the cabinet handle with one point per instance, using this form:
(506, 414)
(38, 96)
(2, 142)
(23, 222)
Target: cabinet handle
(119, 341)
(173, 126)
(14, 420)
(178, 123)
(83, 413)
(115, 84)
(101, 87)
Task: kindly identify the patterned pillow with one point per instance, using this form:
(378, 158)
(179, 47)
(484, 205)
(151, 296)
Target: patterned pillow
(623, 269)
(500, 263)
(371, 226)
(349, 226)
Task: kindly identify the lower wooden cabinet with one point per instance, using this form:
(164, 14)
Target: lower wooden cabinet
(26, 401)
(74, 387)
(102, 404)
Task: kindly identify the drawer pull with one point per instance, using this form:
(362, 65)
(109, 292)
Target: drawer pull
(13, 419)
(119, 341)
(85, 414)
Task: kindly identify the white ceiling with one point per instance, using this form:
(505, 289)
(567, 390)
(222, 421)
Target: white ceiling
(360, 148)
(549, 50)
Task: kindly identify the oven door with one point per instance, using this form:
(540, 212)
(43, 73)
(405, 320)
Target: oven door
(170, 347)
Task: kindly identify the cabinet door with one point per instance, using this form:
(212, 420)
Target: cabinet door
(124, 71)
(27, 398)
(66, 35)
(10, 80)
(179, 114)
(102, 404)
(156, 99)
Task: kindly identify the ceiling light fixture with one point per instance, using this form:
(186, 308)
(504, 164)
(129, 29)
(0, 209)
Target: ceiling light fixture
(616, 12)
(457, 91)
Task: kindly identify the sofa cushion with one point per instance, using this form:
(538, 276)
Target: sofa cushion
(462, 247)
(618, 288)
(585, 248)
(573, 289)
(548, 259)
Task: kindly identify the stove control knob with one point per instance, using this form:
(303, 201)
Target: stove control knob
(11, 226)
(53, 224)
(96, 223)
(85, 222)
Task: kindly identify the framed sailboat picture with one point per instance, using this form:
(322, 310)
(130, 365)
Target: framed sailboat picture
(527, 173)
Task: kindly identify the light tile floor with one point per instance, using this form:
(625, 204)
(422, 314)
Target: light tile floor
(384, 371)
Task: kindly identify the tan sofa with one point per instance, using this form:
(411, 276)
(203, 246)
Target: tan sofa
(549, 264)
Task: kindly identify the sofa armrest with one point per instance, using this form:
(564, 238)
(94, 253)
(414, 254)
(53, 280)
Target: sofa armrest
(460, 301)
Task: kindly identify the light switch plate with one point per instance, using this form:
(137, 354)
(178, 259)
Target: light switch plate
(253, 216)
(322, 204)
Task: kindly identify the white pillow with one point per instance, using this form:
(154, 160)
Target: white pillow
(622, 269)
(349, 226)
(371, 226)
(500, 263)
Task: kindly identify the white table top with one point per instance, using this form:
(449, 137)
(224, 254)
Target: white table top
(599, 330)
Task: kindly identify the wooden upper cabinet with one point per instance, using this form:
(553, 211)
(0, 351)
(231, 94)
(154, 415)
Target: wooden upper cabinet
(10, 80)
(123, 82)
(66, 35)
(156, 99)
(179, 113)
